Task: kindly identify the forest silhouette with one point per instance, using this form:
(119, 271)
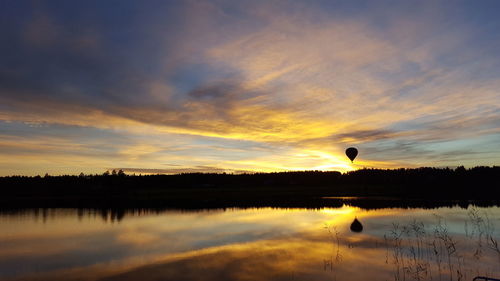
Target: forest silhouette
(310, 189)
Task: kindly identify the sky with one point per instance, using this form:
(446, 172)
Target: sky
(245, 86)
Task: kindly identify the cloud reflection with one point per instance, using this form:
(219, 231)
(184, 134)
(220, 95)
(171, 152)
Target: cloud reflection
(251, 244)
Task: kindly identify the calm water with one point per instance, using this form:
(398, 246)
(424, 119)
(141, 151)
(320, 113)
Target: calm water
(251, 244)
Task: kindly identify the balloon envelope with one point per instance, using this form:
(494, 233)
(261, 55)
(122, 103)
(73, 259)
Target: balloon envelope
(351, 152)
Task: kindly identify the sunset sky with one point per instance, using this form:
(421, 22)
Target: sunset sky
(233, 86)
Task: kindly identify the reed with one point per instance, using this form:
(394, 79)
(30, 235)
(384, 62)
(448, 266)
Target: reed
(433, 252)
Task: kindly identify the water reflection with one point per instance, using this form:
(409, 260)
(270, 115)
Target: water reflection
(117, 214)
(356, 226)
(250, 244)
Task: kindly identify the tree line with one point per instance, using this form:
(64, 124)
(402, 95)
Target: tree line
(394, 182)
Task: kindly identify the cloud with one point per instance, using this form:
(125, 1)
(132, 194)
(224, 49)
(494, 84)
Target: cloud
(301, 76)
(197, 169)
(364, 136)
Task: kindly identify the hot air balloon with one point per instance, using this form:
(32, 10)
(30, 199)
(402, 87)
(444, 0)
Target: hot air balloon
(356, 226)
(351, 152)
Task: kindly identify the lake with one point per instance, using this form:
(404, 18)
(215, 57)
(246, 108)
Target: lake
(250, 244)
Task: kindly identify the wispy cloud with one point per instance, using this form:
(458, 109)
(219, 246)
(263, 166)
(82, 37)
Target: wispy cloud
(197, 169)
(265, 80)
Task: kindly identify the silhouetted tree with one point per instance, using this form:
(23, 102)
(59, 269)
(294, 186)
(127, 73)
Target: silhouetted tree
(263, 188)
(460, 170)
